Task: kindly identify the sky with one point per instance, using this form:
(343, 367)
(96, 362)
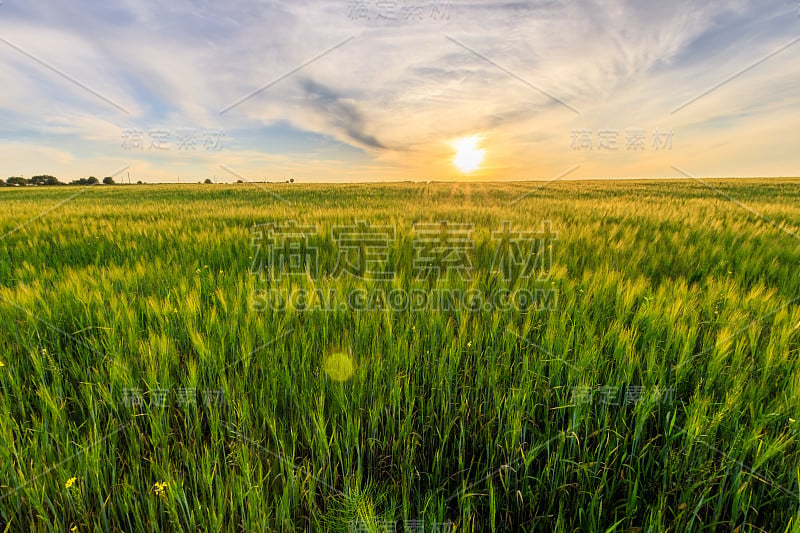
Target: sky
(387, 90)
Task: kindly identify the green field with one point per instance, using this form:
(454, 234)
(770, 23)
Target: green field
(653, 383)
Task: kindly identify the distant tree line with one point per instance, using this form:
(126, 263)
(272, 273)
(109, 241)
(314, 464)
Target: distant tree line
(209, 182)
(45, 180)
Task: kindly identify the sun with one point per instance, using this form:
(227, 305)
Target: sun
(468, 156)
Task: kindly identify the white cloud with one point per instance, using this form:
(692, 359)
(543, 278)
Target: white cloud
(399, 90)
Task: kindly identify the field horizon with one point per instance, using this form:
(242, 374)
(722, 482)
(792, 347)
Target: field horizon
(465, 180)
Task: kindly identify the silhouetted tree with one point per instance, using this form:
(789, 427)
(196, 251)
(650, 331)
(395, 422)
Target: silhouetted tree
(208, 180)
(17, 181)
(108, 180)
(44, 180)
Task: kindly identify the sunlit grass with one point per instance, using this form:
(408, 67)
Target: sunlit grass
(285, 420)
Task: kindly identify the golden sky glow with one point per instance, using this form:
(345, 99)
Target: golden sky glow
(629, 88)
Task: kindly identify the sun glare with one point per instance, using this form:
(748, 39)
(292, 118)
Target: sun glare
(468, 156)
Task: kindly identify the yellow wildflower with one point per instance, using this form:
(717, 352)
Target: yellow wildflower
(159, 488)
(70, 482)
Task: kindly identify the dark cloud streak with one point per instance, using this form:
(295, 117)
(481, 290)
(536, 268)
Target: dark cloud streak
(340, 113)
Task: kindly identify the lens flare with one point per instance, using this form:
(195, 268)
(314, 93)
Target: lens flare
(339, 366)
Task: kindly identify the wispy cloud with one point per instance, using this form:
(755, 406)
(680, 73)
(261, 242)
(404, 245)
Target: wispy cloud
(386, 104)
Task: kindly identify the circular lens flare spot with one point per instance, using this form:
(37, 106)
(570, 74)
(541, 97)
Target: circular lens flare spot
(339, 366)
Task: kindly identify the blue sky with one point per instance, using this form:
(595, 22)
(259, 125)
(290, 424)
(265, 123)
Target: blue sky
(369, 90)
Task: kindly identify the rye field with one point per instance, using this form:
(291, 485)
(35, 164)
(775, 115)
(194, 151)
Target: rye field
(464, 357)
